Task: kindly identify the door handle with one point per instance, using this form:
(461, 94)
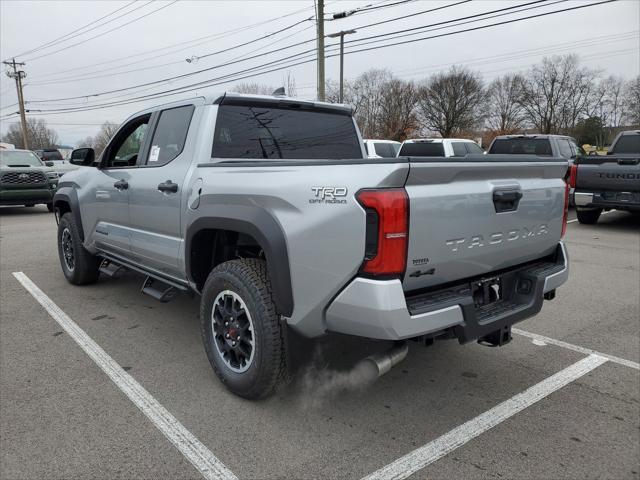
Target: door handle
(121, 185)
(506, 200)
(168, 187)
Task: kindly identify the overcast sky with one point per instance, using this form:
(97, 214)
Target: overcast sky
(604, 36)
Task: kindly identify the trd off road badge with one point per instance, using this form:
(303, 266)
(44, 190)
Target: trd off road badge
(333, 195)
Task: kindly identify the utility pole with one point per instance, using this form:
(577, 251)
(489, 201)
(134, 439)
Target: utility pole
(18, 75)
(341, 34)
(320, 27)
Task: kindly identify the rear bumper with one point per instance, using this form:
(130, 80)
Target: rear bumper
(619, 200)
(379, 309)
(22, 196)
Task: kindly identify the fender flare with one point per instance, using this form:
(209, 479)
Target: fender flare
(69, 195)
(264, 228)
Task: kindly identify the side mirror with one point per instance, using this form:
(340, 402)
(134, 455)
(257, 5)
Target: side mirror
(49, 164)
(83, 157)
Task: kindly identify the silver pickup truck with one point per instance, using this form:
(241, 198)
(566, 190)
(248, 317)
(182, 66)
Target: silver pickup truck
(269, 210)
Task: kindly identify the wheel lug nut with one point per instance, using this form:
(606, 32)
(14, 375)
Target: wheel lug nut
(233, 344)
(226, 324)
(238, 338)
(228, 336)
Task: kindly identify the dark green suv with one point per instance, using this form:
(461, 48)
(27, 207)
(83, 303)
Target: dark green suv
(25, 179)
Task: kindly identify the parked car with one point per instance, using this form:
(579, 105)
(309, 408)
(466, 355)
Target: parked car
(60, 165)
(439, 147)
(25, 179)
(605, 182)
(535, 144)
(559, 146)
(268, 208)
(381, 148)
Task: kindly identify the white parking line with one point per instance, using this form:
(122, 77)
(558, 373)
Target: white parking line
(199, 455)
(576, 348)
(429, 453)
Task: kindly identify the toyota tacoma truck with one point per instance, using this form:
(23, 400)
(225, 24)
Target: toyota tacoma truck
(269, 210)
(25, 179)
(605, 182)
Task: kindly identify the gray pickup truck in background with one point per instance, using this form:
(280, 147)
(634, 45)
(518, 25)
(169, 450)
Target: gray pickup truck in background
(268, 208)
(608, 182)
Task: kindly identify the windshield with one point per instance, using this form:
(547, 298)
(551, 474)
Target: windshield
(384, 149)
(422, 149)
(51, 155)
(17, 158)
(522, 146)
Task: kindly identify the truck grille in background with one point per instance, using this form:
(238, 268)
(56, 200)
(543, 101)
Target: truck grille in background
(23, 178)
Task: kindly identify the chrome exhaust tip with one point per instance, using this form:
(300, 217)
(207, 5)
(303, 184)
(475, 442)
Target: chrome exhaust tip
(385, 361)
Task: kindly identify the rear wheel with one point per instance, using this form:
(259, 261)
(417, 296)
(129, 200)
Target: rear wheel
(78, 265)
(588, 217)
(241, 329)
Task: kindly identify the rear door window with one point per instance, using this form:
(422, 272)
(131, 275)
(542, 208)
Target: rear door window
(384, 149)
(422, 149)
(170, 134)
(627, 144)
(458, 149)
(266, 132)
(565, 148)
(473, 148)
(522, 146)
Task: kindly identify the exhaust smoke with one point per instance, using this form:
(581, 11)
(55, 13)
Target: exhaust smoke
(320, 384)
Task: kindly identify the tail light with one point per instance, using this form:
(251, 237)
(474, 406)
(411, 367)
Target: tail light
(573, 173)
(387, 231)
(566, 210)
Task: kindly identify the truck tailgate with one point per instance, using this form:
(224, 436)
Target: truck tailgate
(479, 214)
(608, 173)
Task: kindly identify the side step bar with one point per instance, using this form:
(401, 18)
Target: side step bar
(111, 270)
(159, 290)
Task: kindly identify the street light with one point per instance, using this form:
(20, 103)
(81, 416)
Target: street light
(341, 34)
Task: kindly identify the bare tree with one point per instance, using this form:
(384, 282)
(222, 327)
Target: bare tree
(504, 112)
(290, 85)
(451, 102)
(253, 88)
(557, 93)
(398, 118)
(99, 142)
(107, 130)
(39, 135)
(632, 99)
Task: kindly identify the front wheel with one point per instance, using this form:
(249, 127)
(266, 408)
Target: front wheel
(588, 217)
(78, 265)
(241, 329)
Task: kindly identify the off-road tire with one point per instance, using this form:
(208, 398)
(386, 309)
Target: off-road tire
(588, 217)
(86, 267)
(249, 280)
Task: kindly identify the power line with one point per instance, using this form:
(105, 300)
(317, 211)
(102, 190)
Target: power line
(108, 31)
(217, 81)
(234, 61)
(206, 39)
(423, 27)
(151, 67)
(59, 39)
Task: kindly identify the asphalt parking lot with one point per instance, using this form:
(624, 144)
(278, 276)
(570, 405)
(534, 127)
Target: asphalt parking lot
(564, 405)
